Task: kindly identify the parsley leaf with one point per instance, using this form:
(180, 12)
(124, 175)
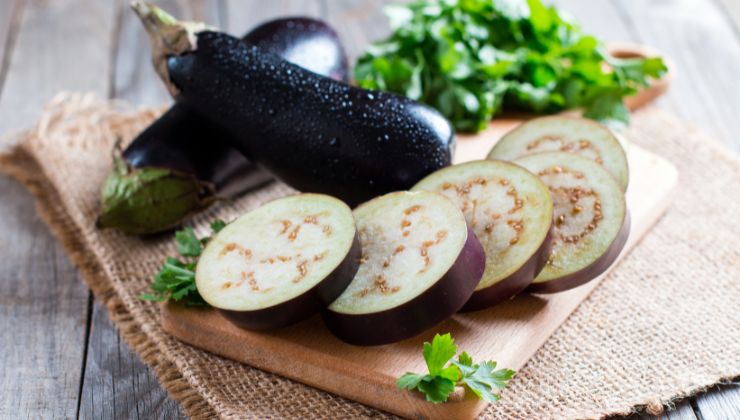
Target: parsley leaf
(472, 59)
(217, 225)
(188, 245)
(481, 379)
(436, 388)
(410, 380)
(439, 352)
(176, 279)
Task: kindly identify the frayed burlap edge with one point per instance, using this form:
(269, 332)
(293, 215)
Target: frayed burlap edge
(21, 166)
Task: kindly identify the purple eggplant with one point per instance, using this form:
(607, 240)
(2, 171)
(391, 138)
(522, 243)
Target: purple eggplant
(316, 134)
(182, 162)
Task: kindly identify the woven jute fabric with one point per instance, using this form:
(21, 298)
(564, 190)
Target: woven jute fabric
(664, 325)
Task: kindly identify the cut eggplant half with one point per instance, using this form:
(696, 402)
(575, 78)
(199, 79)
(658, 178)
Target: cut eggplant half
(280, 263)
(576, 135)
(420, 264)
(591, 222)
(510, 211)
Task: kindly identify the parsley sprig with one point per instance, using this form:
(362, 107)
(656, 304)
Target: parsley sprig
(470, 59)
(176, 279)
(442, 378)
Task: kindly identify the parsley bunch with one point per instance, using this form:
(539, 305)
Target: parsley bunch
(470, 59)
(442, 378)
(176, 279)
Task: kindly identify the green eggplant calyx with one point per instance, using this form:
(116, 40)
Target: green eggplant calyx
(168, 36)
(147, 200)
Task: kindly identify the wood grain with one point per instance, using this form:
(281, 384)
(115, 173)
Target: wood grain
(43, 309)
(61, 45)
(694, 34)
(44, 304)
(682, 411)
(117, 384)
(509, 333)
(240, 16)
(358, 22)
(10, 12)
(721, 402)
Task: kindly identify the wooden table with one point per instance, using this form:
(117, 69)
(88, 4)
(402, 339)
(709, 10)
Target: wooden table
(59, 354)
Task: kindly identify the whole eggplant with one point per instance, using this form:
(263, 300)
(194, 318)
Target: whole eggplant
(183, 161)
(316, 134)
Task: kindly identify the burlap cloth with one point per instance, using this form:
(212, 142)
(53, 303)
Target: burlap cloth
(664, 325)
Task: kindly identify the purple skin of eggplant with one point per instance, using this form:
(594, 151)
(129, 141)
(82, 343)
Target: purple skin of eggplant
(307, 42)
(433, 306)
(591, 271)
(182, 162)
(514, 284)
(184, 141)
(304, 305)
(320, 135)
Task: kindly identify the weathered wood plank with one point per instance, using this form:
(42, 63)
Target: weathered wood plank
(9, 20)
(61, 45)
(43, 312)
(706, 51)
(117, 384)
(601, 19)
(682, 411)
(720, 403)
(43, 303)
(731, 10)
(241, 16)
(358, 22)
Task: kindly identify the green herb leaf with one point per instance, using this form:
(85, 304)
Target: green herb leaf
(409, 380)
(188, 245)
(471, 59)
(436, 388)
(217, 225)
(176, 279)
(442, 379)
(484, 381)
(439, 352)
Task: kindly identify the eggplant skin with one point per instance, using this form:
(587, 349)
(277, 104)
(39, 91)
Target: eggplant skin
(198, 150)
(434, 305)
(312, 132)
(590, 272)
(307, 42)
(184, 141)
(514, 284)
(177, 140)
(305, 305)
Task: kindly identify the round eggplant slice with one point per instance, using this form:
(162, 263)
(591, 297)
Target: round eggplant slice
(576, 135)
(591, 223)
(510, 211)
(280, 263)
(420, 264)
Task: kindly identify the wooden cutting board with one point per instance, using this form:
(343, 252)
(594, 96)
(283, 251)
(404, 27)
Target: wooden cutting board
(509, 333)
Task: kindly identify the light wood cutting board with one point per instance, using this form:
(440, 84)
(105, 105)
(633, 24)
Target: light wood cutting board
(509, 333)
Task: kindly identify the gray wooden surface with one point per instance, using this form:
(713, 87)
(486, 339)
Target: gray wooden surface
(59, 354)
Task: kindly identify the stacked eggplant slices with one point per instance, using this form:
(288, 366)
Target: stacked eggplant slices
(465, 238)
(543, 212)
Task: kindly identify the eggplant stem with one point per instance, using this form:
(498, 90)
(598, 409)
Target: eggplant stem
(167, 36)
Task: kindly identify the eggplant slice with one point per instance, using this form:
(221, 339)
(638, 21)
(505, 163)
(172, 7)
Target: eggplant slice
(420, 264)
(511, 213)
(576, 135)
(590, 219)
(280, 263)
